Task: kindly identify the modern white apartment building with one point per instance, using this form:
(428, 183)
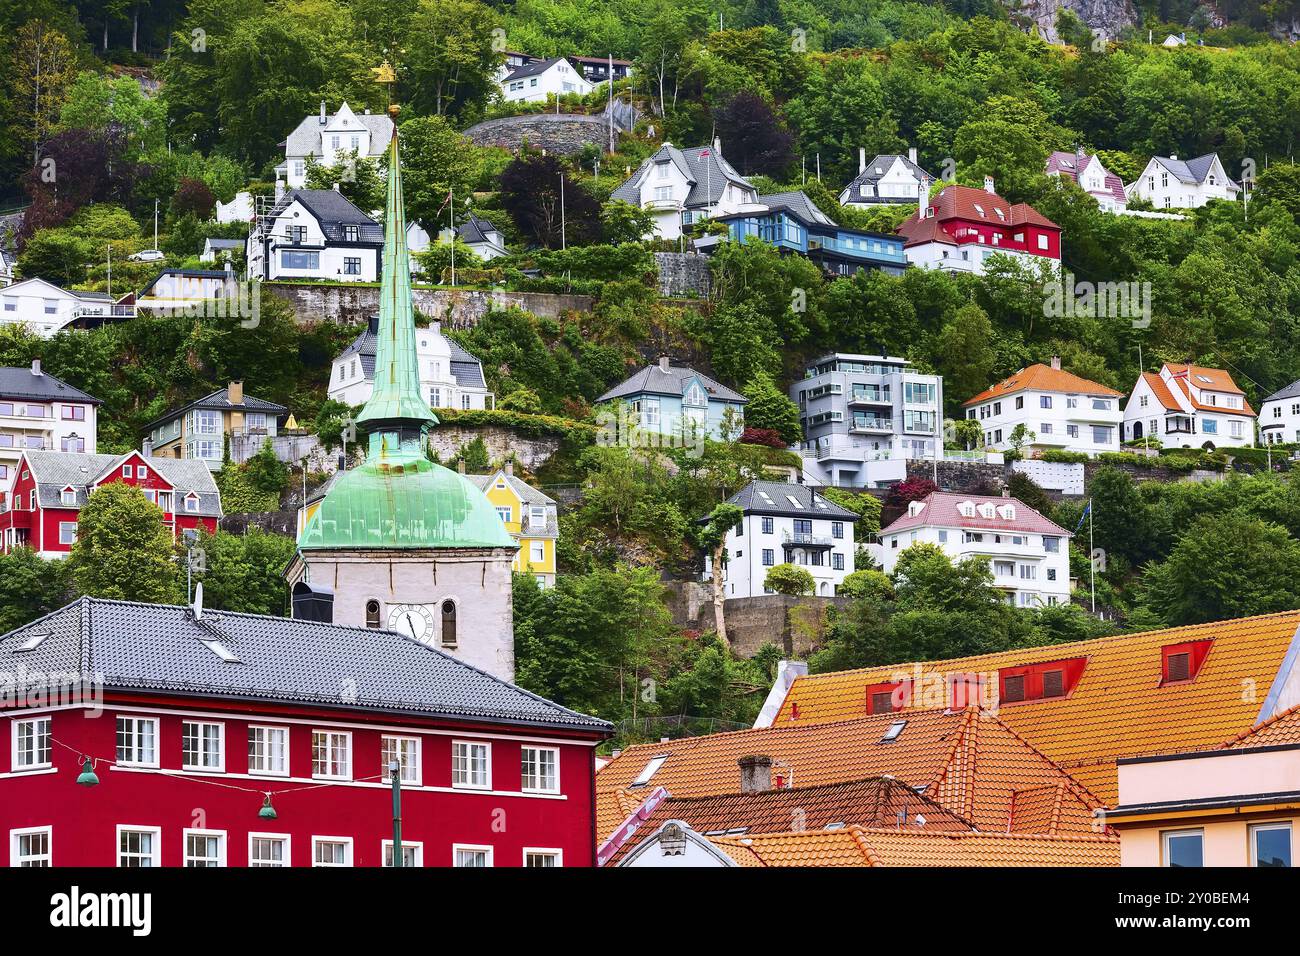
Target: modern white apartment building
(45, 309)
(1057, 409)
(786, 524)
(1028, 554)
(39, 412)
(865, 416)
(1190, 406)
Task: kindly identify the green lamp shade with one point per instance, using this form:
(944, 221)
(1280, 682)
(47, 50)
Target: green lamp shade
(267, 812)
(87, 777)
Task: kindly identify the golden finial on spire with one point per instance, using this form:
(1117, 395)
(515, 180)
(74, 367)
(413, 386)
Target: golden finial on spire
(384, 73)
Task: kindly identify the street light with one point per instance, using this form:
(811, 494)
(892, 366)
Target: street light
(395, 771)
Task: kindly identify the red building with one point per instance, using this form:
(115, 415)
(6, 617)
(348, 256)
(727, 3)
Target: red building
(961, 227)
(195, 721)
(50, 488)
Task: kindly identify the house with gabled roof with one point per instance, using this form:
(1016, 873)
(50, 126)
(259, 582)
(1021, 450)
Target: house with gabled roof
(483, 238)
(284, 732)
(1088, 171)
(1028, 554)
(680, 187)
(1189, 406)
(39, 412)
(198, 430)
(536, 80)
(1087, 704)
(1279, 416)
(962, 227)
(677, 400)
(888, 180)
(1168, 182)
(328, 138)
(1058, 409)
(315, 234)
(529, 515)
(50, 488)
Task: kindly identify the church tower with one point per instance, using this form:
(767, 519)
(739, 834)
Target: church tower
(399, 542)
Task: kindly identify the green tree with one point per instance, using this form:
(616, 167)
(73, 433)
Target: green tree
(436, 161)
(965, 356)
(358, 179)
(449, 55)
(123, 550)
(44, 67)
(789, 579)
(30, 587)
(771, 408)
(623, 222)
(243, 572)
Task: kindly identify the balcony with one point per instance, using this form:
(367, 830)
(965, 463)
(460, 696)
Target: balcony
(863, 396)
(863, 423)
(799, 540)
(660, 205)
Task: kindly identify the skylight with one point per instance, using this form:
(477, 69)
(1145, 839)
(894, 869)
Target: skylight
(894, 730)
(225, 653)
(31, 643)
(649, 770)
(794, 501)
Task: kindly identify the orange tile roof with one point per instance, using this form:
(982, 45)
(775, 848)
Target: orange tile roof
(1161, 390)
(1042, 378)
(1117, 708)
(862, 846)
(1280, 730)
(1220, 381)
(972, 764)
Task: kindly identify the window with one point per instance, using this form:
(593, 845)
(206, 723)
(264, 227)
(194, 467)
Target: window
(31, 744)
(126, 471)
(470, 765)
(352, 234)
(268, 750)
(201, 746)
(537, 552)
(837, 529)
(837, 561)
(1270, 844)
(191, 503)
(74, 413)
(67, 532)
(471, 856)
(331, 754)
(331, 851)
(1053, 683)
(290, 259)
(534, 857)
(31, 847)
(649, 770)
(1013, 688)
(802, 526)
(1044, 401)
(767, 526)
(506, 513)
(1051, 545)
(137, 739)
(540, 769)
(448, 623)
(412, 853)
(138, 846)
(268, 850)
(1183, 848)
(769, 557)
(352, 265)
(406, 751)
(205, 848)
(1182, 662)
(372, 613)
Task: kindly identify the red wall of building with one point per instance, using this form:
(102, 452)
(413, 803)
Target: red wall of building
(84, 820)
(966, 231)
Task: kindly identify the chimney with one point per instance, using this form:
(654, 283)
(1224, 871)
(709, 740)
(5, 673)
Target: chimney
(911, 155)
(988, 184)
(279, 189)
(1173, 155)
(373, 323)
(862, 160)
(336, 187)
(235, 393)
(1056, 362)
(146, 448)
(717, 146)
(755, 774)
(322, 112)
(510, 467)
(36, 367)
(664, 364)
(460, 466)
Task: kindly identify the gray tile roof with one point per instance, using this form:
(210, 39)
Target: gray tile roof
(1191, 170)
(55, 471)
(475, 229)
(653, 380)
(529, 496)
(226, 243)
(883, 162)
(334, 211)
(1291, 391)
(466, 369)
(535, 68)
(773, 498)
(159, 648)
(708, 175)
(218, 401)
(305, 139)
(22, 383)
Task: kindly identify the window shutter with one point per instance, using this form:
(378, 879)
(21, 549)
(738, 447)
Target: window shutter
(1178, 667)
(1013, 688)
(1053, 683)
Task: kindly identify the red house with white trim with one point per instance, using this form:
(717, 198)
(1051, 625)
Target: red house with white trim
(962, 226)
(50, 488)
(221, 739)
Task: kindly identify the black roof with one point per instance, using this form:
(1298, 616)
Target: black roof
(773, 498)
(24, 383)
(534, 68)
(334, 210)
(160, 648)
(220, 401)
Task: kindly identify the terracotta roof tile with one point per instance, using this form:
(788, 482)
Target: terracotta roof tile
(1042, 378)
(1219, 381)
(1280, 730)
(1117, 709)
(1161, 390)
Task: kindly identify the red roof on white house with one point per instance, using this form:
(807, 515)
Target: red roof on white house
(1069, 164)
(966, 204)
(944, 509)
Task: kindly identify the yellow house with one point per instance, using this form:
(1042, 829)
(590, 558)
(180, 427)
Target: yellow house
(529, 516)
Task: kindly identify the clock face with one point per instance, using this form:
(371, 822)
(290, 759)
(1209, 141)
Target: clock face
(412, 620)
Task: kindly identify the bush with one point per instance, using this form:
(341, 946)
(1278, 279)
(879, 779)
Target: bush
(762, 436)
(1062, 457)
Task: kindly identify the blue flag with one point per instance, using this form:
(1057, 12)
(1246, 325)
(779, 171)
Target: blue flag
(1087, 510)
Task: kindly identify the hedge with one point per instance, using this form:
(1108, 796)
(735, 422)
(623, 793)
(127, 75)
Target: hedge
(532, 426)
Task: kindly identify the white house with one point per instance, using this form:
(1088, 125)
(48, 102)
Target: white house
(786, 523)
(889, 179)
(7, 263)
(178, 288)
(239, 209)
(684, 186)
(1279, 416)
(450, 377)
(481, 236)
(39, 412)
(44, 308)
(1028, 554)
(1062, 410)
(214, 249)
(1172, 183)
(315, 234)
(1189, 406)
(534, 82)
(1092, 176)
(328, 138)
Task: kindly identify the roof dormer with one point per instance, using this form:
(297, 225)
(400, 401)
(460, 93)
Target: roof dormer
(987, 510)
(966, 509)
(915, 508)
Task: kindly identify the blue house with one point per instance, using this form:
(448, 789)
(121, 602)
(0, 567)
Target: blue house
(793, 223)
(676, 400)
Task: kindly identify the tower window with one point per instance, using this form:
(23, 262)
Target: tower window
(372, 613)
(448, 623)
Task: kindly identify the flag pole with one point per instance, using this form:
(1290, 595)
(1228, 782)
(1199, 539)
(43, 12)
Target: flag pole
(1092, 560)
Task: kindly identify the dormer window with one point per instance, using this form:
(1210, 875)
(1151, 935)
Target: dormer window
(1045, 681)
(966, 509)
(1180, 663)
(68, 496)
(915, 508)
(1009, 512)
(987, 510)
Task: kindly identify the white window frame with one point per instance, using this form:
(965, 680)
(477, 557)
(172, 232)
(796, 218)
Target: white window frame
(412, 774)
(285, 838)
(221, 746)
(472, 847)
(258, 772)
(1181, 832)
(543, 851)
(538, 750)
(68, 528)
(347, 734)
(19, 767)
(487, 765)
(316, 841)
(154, 856)
(1254, 828)
(386, 848)
(124, 762)
(46, 858)
(195, 831)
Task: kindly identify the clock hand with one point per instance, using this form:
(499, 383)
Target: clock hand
(410, 622)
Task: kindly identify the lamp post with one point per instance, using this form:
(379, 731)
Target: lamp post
(395, 771)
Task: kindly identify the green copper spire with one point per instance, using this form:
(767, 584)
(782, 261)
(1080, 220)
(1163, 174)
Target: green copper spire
(396, 405)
